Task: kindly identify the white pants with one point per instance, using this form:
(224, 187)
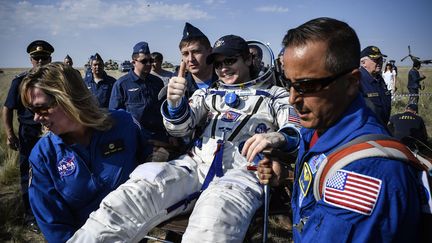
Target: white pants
(221, 214)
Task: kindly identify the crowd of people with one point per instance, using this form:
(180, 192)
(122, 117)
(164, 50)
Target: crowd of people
(106, 160)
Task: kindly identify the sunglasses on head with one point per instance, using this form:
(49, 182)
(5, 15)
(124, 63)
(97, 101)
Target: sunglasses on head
(40, 57)
(227, 62)
(309, 86)
(145, 61)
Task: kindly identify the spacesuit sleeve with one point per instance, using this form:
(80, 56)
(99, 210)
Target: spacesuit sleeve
(53, 216)
(189, 117)
(287, 119)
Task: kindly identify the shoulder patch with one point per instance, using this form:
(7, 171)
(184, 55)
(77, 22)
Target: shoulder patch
(293, 117)
(352, 191)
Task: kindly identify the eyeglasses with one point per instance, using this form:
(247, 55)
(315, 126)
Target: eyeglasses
(42, 110)
(227, 62)
(42, 58)
(308, 86)
(145, 61)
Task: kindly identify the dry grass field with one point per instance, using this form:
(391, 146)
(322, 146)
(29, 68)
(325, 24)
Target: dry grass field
(10, 204)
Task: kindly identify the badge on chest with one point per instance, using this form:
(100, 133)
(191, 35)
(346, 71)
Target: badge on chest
(66, 166)
(112, 147)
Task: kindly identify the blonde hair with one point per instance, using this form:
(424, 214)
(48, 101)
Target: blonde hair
(67, 89)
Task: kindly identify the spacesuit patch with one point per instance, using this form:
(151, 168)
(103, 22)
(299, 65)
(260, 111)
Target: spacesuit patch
(261, 128)
(305, 179)
(315, 162)
(230, 116)
(66, 166)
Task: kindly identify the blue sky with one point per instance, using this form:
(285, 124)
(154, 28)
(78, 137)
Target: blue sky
(111, 28)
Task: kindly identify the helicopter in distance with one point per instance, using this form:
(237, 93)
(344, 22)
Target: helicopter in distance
(415, 58)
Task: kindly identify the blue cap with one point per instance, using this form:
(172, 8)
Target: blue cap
(229, 45)
(141, 47)
(96, 57)
(191, 31)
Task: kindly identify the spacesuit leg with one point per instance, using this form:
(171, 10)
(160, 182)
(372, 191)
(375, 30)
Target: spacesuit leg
(224, 210)
(138, 205)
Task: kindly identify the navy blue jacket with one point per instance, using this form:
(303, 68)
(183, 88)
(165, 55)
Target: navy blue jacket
(102, 90)
(13, 101)
(140, 98)
(413, 79)
(375, 90)
(408, 124)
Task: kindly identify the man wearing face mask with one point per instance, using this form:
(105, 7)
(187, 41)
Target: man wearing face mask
(373, 87)
(29, 131)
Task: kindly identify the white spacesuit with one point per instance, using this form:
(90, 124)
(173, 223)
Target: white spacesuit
(158, 191)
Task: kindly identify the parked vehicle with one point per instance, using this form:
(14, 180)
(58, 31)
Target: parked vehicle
(125, 66)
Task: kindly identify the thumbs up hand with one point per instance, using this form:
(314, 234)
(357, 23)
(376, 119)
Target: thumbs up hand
(177, 87)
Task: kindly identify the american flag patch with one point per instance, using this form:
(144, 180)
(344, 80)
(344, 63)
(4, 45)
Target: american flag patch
(352, 191)
(293, 117)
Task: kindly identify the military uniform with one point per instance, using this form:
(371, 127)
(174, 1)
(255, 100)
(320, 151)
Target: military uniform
(29, 130)
(102, 89)
(140, 98)
(375, 92)
(408, 124)
(413, 85)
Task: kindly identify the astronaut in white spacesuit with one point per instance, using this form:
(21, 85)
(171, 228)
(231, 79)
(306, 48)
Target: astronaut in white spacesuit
(236, 121)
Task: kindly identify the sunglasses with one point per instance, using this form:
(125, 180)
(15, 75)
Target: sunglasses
(42, 110)
(227, 62)
(145, 61)
(309, 86)
(42, 58)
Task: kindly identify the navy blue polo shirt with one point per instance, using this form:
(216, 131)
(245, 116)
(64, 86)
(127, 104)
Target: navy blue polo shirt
(13, 102)
(376, 92)
(102, 89)
(140, 98)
